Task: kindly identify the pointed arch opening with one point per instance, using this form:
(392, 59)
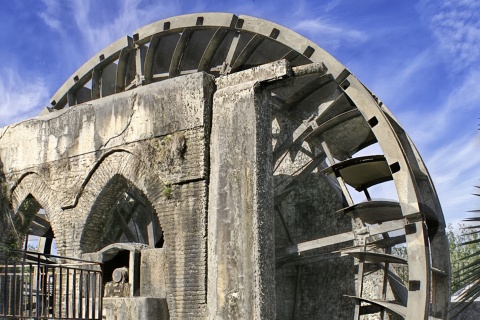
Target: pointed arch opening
(122, 231)
(32, 223)
(121, 214)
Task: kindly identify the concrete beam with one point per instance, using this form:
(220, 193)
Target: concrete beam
(241, 265)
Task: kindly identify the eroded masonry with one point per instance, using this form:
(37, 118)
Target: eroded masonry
(215, 166)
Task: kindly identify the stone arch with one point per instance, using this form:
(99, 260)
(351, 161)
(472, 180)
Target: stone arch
(181, 216)
(112, 176)
(34, 224)
(121, 213)
(32, 184)
(31, 187)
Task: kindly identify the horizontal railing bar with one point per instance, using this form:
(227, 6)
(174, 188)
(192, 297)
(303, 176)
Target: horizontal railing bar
(54, 256)
(45, 290)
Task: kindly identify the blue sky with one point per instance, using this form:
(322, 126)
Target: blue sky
(422, 58)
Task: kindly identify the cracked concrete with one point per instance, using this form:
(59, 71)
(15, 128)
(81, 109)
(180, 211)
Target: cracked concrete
(129, 121)
(67, 159)
(78, 164)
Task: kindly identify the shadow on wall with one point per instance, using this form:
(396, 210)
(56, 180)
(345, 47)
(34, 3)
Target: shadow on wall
(15, 224)
(303, 291)
(6, 240)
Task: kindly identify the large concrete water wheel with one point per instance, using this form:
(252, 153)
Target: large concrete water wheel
(334, 143)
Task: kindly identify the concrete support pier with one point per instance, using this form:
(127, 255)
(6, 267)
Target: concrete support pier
(240, 242)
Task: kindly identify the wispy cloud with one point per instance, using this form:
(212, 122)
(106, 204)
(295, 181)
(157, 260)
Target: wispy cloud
(446, 121)
(456, 26)
(20, 98)
(447, 136)
(128, 18)
(445, 132)
(83, 20)
(330, 33)
(455, 169)
(332, 5)
(397, 81)
(51, 15)
(444, 129)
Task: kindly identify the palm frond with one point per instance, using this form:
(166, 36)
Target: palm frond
(473, 218)
(468, 275)
(470, 242)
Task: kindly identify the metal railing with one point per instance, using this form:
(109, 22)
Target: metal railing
(41, 286)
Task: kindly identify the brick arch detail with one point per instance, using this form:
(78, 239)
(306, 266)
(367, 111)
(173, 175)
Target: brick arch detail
(32, 184)
(131, 170)
(182, 218)
(99, 214)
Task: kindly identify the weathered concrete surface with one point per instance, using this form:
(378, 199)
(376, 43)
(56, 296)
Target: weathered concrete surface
(240, 242)
(78, 161)
(198, 154)
(303, 291)
(107, 123)
(138, 308)
(152, 273)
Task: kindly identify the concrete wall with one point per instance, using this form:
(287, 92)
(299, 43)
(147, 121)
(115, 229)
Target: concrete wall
(214, 199)
(240, 237)
(70, 162)
(76, 163)
(303, 291)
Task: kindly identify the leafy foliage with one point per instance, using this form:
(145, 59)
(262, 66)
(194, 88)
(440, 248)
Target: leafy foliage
(464, 253)
(465, 261)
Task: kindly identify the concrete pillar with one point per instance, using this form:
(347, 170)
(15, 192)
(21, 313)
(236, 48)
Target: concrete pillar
(241, 263)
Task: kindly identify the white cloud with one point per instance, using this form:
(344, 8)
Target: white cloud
(129, 17)
(329, 33)
(450, 147)
(450, 144)
(446, 132)
(332, 5)
(398, 80)
(80, 19)
(51, 14)
(441, 123)
(456, 26)
(455, 169)
(21, 98)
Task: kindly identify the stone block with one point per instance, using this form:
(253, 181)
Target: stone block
(138, 308)
(152, 273)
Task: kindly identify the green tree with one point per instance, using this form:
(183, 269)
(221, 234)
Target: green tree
(464, 249)
(465, 260)
(463, 252)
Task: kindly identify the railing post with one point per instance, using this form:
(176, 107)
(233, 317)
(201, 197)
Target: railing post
(37, 304)
(4, 281)
(44, 294)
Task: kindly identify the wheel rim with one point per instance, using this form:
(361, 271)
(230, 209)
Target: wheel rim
(327, 119)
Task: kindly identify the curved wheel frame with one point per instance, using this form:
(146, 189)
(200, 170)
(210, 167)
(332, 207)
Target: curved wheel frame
(323, 108)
